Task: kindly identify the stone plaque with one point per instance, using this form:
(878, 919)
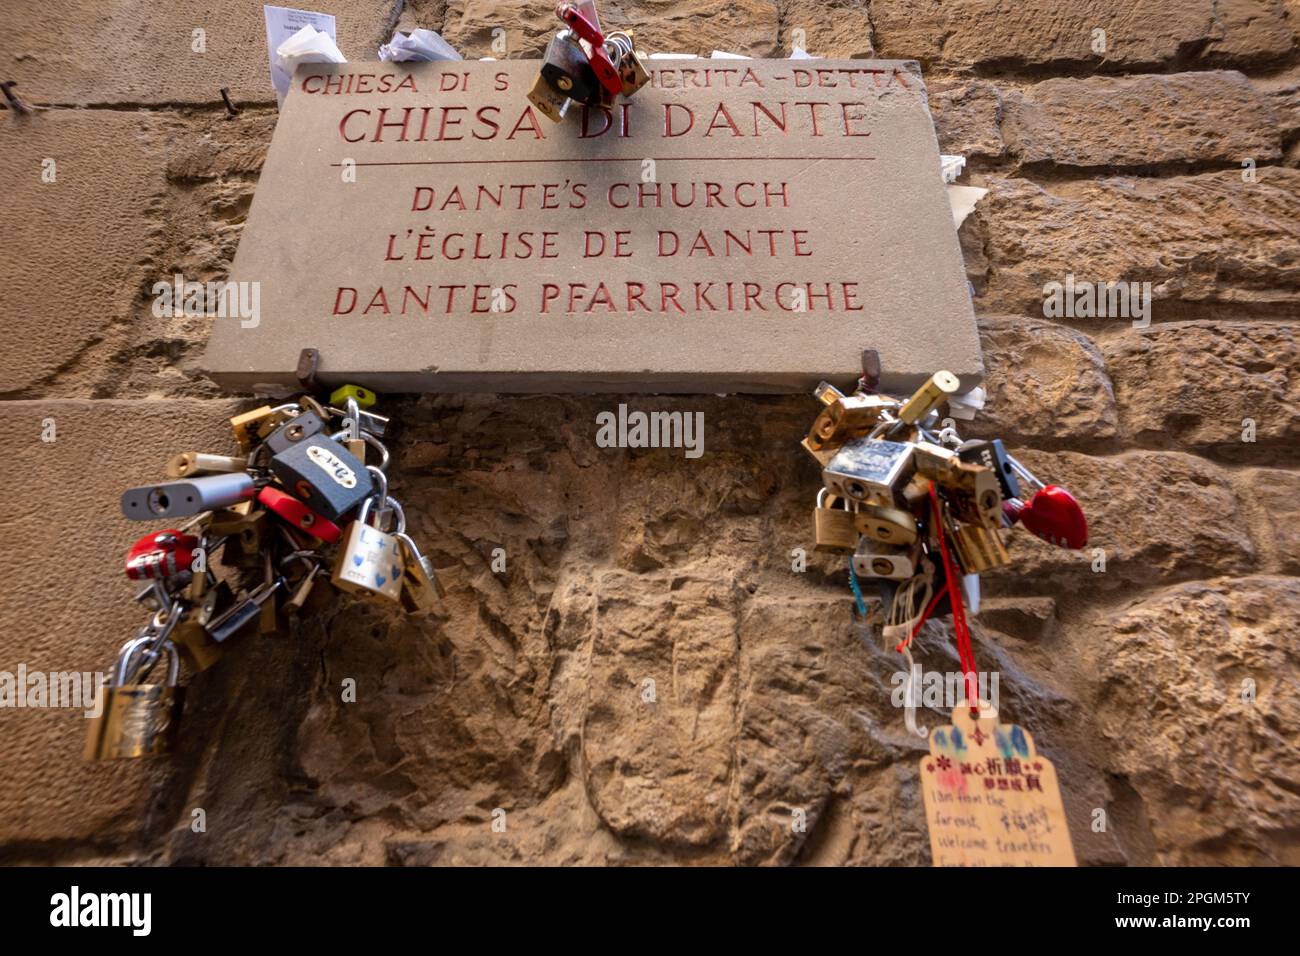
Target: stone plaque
(736, 226)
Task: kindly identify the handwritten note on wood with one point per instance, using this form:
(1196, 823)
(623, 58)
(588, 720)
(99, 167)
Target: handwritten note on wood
(990, 798)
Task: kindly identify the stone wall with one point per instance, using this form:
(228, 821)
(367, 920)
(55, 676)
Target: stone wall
(524, 692)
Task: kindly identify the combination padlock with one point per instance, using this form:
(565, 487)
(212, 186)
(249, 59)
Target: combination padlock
(834, 529)
(138, 720)
(161, 555)
(324, 474)
(369, 561)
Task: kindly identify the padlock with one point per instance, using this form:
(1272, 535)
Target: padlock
(992, 455)
(886, 525)
(200, 583)
(357, 448)
(869, 470)
(979, 548)
(978, 494)
(632, 72)
(290, 509)
(137, 720)
(371, 422)
(833, 528)
(225, 521)
(369, 560)
(245, 610)
(243, 549)
(871, 559)
(161, 555)
(421, 589)
(302, 590)
(848, 417)
(194, 642)
(324, 474)
(550, 103)
(567, 72)
(363, 396)
(594, 50)
(293, 431)
(822, 456)
(180, 499)
(1054, 515)
(251, 427)
(190, 464)
(219, 599)
(936, 390)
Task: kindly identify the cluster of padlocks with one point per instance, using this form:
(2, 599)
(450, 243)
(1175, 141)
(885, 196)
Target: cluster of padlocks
(922, 512)
(308, 478)
(585, 66)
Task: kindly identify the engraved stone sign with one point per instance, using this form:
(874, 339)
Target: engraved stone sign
(737, 226)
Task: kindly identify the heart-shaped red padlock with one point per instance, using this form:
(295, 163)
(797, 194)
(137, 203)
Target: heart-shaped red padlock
(1053, 515)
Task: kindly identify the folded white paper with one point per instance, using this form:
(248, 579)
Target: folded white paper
(420, 45)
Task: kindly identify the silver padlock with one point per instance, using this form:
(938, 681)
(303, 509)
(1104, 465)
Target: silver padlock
(173, 499)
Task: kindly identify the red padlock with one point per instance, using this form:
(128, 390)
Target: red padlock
(160, 555)
(298, 514)
(1053, 515)
(595, 49)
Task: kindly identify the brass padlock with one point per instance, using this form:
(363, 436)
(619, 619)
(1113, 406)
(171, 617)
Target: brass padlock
(976, 493)
(137, 720)
(849, 417)
(369, 560)
(936, 390)
(632, 72)
(886, 525)
(420, 586)
(979, 549)
(191, 463)
(194, 642)
(834, 528)
(252, 427)
(822, 456)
